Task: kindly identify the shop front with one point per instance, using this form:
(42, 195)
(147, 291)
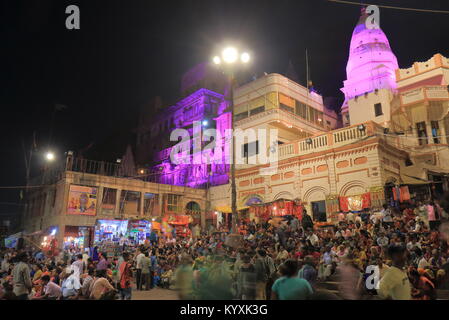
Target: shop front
(49, 239)
(110, 230)
(76, 237)
(13, 240)
(139, 230)
(177, 225)
(276, 209)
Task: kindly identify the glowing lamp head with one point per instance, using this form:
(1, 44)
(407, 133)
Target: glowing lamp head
(216, 60)
(50, 156)
(245, 57)
(142, 171)
(205, 123)
(230, 55)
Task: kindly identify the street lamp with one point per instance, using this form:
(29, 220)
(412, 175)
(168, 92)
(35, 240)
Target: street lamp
(230, 55)
(229, 58)
(50, 156)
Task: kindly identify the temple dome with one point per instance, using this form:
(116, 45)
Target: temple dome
(371, 64)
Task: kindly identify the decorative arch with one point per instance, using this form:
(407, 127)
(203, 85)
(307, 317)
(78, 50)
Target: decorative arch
(193, 206)
(284, 195)
(252, 199)
(313, 190)
(353, 185)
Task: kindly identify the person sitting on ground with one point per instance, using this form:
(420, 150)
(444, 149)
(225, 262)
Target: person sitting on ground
(101, 288)
(51, 290)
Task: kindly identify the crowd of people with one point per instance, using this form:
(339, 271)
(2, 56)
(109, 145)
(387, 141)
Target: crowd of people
(399, 253)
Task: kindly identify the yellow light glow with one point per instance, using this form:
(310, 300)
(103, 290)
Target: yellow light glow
(216, 60)
(230, 55)
(50, 156)
(245, 57)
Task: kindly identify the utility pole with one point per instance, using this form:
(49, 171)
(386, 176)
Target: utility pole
(233, 184)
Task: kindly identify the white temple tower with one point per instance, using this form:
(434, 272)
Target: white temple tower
(370, 69)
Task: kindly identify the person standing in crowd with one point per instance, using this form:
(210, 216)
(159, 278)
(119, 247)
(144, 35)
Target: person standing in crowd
(103, 263)
(78, 266)
(289, 286)
(387, 216)
(432, 215)
(246, 280)
(125, 278)
(139, 257)
(395, 284)
(308, 271)
(21, 277)
(145, 277)
(262, 274)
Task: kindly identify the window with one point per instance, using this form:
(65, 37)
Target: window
(435, 131)
(130, 202)
(241, 116)
(250, 149)
(301, 109)
(286, 108)
(109, 196)
(257, 110)
(109, 200)
(150, 204)
(173, 203)
(378, 109)
(422, 133)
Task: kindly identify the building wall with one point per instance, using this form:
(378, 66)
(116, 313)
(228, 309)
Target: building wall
(348, 163)
(54, 212)
(361, 108)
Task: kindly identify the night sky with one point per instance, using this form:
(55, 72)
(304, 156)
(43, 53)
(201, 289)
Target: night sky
(130, 51)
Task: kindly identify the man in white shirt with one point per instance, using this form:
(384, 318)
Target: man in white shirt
(139, 258)
(312, 237)
(78, 265)
(423, 263)
(395, 284)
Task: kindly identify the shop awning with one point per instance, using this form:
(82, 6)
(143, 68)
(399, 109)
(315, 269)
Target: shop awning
(35, 233)
(411, 180)
(227, 209)
(418, 173)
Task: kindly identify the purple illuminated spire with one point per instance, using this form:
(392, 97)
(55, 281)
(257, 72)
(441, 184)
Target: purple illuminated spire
(371, 64)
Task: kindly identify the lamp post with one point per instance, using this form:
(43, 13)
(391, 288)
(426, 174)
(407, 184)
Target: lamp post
(229, 58)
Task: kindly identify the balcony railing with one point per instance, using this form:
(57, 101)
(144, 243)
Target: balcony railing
(281, 116)
(93, 167)
(336, 138)
(424, 93)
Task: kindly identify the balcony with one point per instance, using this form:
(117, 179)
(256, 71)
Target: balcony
(322, 142)
(280, 118)
(425, 93)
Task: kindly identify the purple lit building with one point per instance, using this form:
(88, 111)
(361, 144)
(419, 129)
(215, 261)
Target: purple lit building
(203, 92)
(371, 64)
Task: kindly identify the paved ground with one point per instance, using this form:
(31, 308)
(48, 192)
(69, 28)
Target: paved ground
(155, 294)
